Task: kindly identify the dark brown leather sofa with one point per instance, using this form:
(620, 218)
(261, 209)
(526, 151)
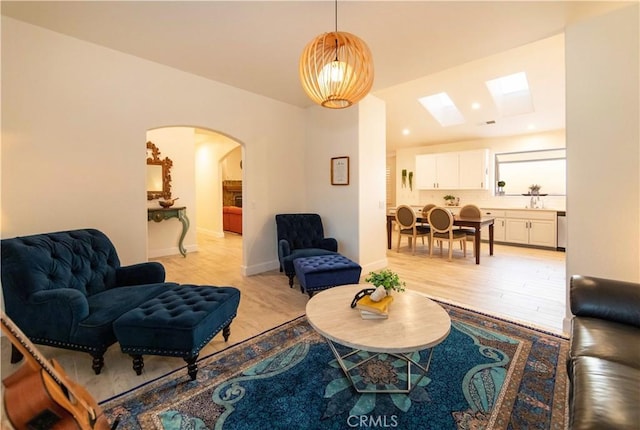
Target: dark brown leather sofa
(604, 358)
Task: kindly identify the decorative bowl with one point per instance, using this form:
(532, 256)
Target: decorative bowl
(167, 203)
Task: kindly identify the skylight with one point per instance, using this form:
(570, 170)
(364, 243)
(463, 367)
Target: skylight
(443, 109)
(511, 94)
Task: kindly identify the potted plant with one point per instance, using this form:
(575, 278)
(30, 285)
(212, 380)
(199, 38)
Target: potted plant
(449, 199)
(404, 178)
(534, 189)
(501, 185)
(387, 279)
(411, 181)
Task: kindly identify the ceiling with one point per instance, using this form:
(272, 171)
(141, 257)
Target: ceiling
(419, 48)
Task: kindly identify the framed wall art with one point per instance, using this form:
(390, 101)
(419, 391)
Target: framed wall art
(340, 171)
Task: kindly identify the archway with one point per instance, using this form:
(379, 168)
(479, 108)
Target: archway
(199, 167)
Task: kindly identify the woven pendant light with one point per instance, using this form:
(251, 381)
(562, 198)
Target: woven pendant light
(336, 69)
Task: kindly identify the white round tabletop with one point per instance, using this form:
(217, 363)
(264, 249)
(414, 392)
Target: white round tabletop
(415, 322)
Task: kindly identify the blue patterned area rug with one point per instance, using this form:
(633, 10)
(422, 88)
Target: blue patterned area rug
(487, 374)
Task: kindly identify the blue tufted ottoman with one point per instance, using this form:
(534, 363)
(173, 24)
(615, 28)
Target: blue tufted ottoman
(178, 323)
(325, 271)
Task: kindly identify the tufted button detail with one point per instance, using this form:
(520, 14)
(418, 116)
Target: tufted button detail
(326, 271)
(188, 316)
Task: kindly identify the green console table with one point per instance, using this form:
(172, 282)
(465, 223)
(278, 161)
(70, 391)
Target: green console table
(160, 214)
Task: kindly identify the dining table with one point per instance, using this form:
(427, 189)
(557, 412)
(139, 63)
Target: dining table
(476, 223)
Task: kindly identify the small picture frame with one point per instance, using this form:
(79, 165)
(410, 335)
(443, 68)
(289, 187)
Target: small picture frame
(340, 171)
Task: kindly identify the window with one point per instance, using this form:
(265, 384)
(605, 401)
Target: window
(519, 170)
(391, 183)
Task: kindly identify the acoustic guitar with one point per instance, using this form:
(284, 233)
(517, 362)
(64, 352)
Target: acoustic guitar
(40, 396)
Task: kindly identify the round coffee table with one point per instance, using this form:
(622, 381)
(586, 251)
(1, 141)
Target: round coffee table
(415, 323)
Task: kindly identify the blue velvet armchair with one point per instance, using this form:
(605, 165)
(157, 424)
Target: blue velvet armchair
(301, 235)
(65, 289)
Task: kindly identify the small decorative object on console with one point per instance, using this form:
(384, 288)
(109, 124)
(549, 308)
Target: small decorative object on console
(167, 203)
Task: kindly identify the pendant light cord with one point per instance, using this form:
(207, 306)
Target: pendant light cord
(336, 15)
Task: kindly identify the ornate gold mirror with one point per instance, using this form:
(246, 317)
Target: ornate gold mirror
(158, 174)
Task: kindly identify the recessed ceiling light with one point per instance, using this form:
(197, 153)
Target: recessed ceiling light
(531, 127)
(442, 108)
(475, 105)
(406, 132)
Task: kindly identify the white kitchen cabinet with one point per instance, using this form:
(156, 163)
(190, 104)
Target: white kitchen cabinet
(473, 170)
(447, 170)
(452, 170)
(499, 225)
(426, 172)
(543, 233)
(531, 228)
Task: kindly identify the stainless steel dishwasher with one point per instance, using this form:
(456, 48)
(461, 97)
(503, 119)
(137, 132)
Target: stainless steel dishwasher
(562, 231)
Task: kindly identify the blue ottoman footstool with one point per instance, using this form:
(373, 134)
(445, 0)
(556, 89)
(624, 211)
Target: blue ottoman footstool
(178, 323)
(325, 271)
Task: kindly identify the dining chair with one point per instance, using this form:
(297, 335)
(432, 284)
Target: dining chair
(441, 224)
(470, 212)
(425, 213)
(406, 219)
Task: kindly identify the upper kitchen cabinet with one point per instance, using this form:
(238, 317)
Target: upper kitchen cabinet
(473, 169)
(466, 170)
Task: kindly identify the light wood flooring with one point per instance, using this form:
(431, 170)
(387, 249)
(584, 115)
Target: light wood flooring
(521, 284)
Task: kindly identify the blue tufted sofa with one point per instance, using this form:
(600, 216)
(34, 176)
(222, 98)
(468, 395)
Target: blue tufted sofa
(66, 289)
(301, 235)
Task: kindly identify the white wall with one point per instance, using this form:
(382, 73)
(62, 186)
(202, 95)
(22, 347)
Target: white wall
(371, 170)
(405, 159)
(230, 165)
(334, 133)
(75, 117)
(351, 213)
(603, 146)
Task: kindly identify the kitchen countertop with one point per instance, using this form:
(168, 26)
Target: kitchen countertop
(418, 208)
(522, 209)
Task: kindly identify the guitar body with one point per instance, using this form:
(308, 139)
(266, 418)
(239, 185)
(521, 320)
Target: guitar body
(40, 396)
(34, 401)
(28, 404)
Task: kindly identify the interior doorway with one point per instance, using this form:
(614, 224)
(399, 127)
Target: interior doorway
(202, 160)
